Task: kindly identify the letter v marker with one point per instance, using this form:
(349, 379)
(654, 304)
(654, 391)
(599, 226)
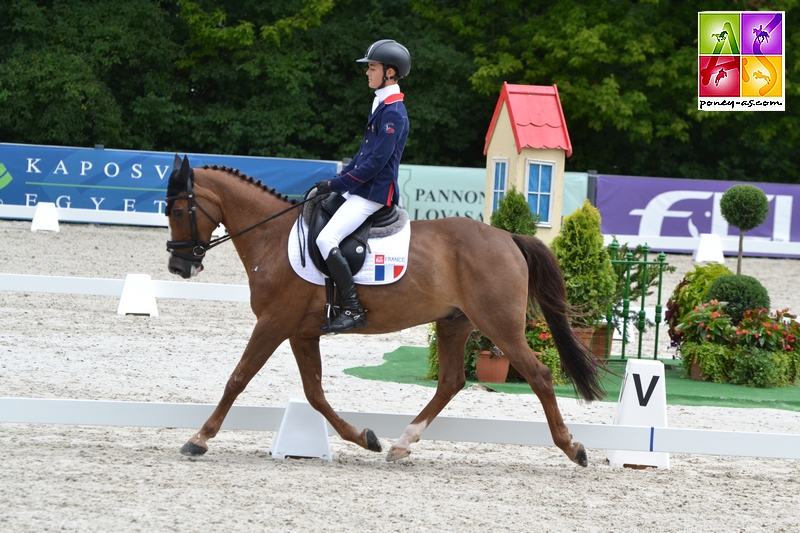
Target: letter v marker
(643, 399)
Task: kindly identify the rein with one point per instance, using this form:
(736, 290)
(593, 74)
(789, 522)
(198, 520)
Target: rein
(199, 248)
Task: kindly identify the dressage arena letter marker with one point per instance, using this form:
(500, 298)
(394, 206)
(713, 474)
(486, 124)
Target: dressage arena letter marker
(45, 217)
(220, 231)
(709, 250)
(303, 433)
(138, 296)
(642, 402)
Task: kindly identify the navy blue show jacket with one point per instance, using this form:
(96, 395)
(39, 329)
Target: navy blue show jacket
(372, 173)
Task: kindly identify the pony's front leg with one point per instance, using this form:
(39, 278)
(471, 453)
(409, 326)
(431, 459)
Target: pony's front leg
(260, 347)
(309, 362)
(452, 337)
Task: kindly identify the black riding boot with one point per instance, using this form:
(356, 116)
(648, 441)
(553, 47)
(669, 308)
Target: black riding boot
(351, 315)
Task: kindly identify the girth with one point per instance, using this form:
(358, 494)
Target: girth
(353, 247)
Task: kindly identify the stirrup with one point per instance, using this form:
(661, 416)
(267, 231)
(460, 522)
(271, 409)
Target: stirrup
(347, 320)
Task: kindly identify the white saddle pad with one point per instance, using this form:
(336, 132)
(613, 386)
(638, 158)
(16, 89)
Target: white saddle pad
(386, 261)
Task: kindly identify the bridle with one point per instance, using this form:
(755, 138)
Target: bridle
(199, 248)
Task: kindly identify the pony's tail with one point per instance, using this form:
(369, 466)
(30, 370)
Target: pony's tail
(546, 288)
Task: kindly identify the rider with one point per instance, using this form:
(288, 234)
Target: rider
(369, 181)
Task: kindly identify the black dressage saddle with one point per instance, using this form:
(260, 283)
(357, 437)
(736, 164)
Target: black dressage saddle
(354, 247)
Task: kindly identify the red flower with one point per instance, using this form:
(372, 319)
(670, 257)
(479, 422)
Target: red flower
(708, 336)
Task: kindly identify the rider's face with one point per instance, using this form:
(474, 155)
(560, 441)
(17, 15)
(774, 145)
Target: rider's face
(375, 74)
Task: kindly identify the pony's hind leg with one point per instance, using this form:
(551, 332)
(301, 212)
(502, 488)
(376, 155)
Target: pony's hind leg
(452, 336)
(309, 362)
(539, 377)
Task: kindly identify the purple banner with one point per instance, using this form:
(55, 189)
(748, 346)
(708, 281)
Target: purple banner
(670, 215)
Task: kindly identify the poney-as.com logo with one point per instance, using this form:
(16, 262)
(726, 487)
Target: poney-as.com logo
(740, 61)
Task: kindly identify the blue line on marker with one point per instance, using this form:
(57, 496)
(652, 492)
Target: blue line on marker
(652, 434)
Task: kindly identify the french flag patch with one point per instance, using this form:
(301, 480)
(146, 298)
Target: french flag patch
(387, 268)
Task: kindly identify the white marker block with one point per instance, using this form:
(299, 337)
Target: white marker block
(138, 297)
(45, 217)
(709, 250)
(220, 231)
(642, 402)
(303, 433)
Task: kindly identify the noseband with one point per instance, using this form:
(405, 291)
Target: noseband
(198, 247)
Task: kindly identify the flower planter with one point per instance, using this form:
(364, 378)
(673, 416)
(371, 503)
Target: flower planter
(584, 335)
(491, 369)
(599, 343)
(695, 372)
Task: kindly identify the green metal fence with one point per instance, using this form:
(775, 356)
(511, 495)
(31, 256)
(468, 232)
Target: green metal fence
(626, 315)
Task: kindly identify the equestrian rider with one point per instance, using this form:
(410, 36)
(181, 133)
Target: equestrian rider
(369, 181)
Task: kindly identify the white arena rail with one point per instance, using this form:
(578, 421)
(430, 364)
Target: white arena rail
(113, 287)
(89, 216)
(495, 431)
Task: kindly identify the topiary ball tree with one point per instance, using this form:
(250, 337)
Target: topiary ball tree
(742, 294)
(514, 215)
(744, 207)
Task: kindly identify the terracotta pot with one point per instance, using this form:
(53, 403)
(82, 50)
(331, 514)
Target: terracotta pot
(584, 335)
(491, 369)
(695, 373)
(599, 343)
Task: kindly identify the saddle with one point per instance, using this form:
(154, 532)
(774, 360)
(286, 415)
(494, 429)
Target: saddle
(354, 247)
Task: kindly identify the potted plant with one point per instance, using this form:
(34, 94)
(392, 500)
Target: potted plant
(490, 365)
(707, 333)
(540, 340)
(586, 265)
(744, 207)
(482, 359)
(538, 335)
(766, 354)
(690, 293)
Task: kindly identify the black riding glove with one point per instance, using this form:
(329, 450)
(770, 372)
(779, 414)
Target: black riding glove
(323, 187)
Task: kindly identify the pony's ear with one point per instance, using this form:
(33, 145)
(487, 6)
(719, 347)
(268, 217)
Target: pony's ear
(185, 169)
(176, 163)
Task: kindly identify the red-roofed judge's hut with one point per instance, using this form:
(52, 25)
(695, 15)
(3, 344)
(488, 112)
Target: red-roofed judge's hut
(526, 146)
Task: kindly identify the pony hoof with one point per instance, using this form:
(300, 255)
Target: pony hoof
(397, 453)
(191, 449)
(373, 444)
(580, 456)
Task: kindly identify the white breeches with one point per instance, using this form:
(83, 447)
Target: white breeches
(350, 216)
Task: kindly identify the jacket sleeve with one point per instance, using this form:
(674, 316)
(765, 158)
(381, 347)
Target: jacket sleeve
(349, 166)
(390, 130)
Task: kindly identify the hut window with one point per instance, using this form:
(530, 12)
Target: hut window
(540, 189)
(499, 187)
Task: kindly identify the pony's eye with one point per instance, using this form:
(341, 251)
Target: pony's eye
(177, 212)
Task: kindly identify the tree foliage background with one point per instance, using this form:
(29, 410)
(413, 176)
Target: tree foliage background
(279, 79)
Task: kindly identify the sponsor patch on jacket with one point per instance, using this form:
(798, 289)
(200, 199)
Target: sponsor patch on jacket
(388, 127)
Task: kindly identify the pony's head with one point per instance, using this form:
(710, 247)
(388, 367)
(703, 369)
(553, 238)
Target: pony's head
(190, 234)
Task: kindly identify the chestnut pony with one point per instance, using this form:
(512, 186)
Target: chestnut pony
(462, 274)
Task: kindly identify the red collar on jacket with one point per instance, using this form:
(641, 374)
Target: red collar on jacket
(393, 98)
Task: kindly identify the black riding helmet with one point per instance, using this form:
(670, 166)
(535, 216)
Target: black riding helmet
(390, 54)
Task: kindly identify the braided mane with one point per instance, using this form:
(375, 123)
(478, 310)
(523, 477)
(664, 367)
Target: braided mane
(250, 179)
